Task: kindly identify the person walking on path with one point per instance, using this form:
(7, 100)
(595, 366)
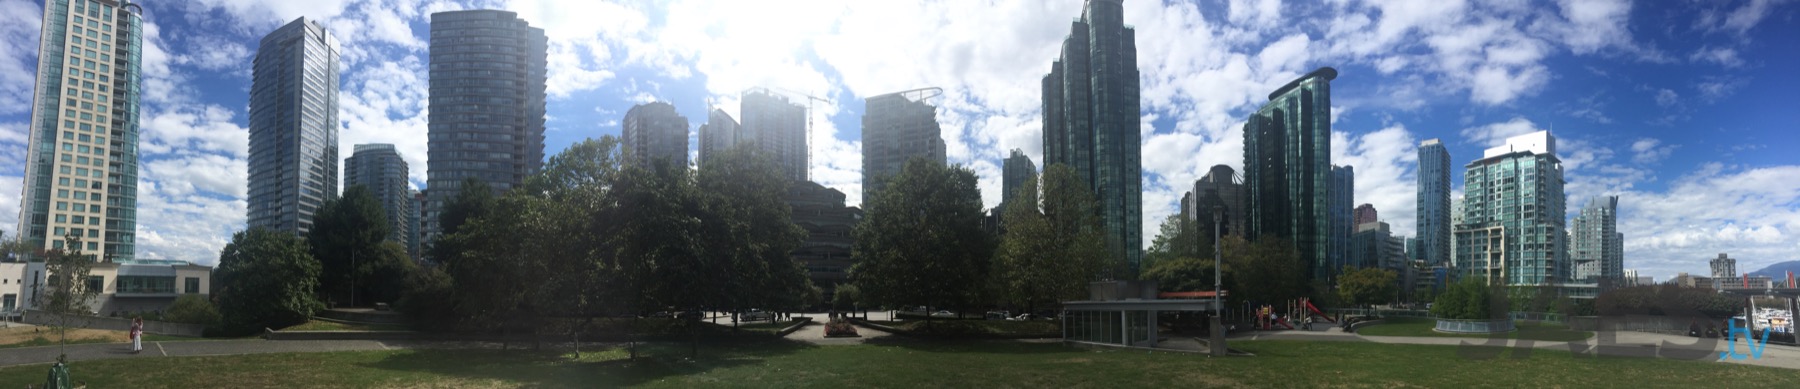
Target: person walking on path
(137, 334)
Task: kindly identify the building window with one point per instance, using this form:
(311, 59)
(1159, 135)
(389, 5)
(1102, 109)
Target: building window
(193, 284)
(142, 284)
(96, 283)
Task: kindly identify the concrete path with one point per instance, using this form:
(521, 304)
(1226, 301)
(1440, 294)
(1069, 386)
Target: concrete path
(1604, 343)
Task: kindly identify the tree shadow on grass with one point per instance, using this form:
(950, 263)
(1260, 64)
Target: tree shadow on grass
(555, 368)
(968, 345)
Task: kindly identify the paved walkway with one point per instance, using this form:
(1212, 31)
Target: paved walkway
(1604, 343)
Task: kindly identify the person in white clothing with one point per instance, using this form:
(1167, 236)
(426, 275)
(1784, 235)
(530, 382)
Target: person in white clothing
(137, 334)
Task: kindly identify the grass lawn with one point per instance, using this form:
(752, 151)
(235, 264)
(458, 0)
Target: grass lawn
(321, 325)
(1406, 326)
(910, 364)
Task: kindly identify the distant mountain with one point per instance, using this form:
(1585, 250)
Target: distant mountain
(1779, 270)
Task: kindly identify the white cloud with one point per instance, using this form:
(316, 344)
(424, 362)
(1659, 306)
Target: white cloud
(1495, 134)
(20, 22)
(11, 189)
(1749, 213)
(1386, 163)
(1650, 150)
(1666, 98)
(188, 129)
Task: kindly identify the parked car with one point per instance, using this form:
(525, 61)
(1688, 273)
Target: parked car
(1023, 317)
(661, 315)
(757, 314)
(998, 315)
(690, 315)
(943, 313)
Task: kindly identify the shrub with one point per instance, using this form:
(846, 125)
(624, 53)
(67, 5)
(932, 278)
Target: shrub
(194, 309)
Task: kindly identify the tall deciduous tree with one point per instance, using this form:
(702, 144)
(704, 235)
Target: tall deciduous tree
(1367, 286)
(346, 237)
(1049, 255)
(749, 229)
(921, 240)
(266, 279)
(67, 271)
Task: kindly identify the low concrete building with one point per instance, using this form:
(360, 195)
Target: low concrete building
(126, 287)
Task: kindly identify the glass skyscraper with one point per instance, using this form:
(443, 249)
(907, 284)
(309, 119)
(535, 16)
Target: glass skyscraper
(776, 128)
(1343, 225)
(1287, 168)
(898, 127)
(1513, 215)
(487, 104)
(293, 127)
(654, 131)
(1015, 170)
(1092, 122)
(81, 174)
(718, 134)
(1595, 242)
(381, 169)
(1433, 220)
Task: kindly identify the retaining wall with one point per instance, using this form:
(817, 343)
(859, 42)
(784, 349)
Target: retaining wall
(42, 318)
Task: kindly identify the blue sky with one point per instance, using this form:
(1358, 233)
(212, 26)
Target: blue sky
(1682, 108)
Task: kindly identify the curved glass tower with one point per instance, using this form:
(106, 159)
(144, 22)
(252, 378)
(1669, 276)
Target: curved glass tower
(1287, 169)
(487, 104)
(81, 174)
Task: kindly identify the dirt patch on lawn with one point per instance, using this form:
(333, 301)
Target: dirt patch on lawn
(18, 335)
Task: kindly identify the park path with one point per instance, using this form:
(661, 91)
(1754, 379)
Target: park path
(1604, 343)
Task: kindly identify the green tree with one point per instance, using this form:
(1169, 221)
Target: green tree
(1367, 286)
(193, 308)
(920, 241)
(1179, 238)
(346, 237)
(13, 248)
(473, 200)
(266, 279)
(846, 298)
(748, 228)
(1049, 255)
(68, 270)
(1470, 299)
(1185, 274)
(1265, 272)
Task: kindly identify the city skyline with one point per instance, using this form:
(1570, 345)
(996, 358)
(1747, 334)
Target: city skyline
(1669, 118)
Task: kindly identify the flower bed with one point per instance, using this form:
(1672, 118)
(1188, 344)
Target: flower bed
(840, 328)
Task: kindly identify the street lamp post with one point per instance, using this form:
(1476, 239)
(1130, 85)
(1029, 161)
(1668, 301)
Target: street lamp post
(1218, 301)
(1217, 343)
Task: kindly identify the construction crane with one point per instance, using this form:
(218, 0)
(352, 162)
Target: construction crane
(809, 116)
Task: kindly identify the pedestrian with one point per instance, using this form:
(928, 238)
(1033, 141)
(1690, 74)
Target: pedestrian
(137, 335)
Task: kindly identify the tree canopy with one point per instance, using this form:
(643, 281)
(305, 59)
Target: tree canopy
(920, 241)
(1367, 286)
(349, 237)
(1049, 254)
(267, 279)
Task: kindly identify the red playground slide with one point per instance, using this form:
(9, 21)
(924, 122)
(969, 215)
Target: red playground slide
(1284, 323)
(1315, 311)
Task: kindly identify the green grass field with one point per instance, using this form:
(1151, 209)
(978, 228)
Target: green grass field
(1406, 326)
(913, 364)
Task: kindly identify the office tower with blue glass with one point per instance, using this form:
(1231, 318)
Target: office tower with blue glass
(1092, 123)
(293, 127)
(1433, 217)
(1287, 169)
